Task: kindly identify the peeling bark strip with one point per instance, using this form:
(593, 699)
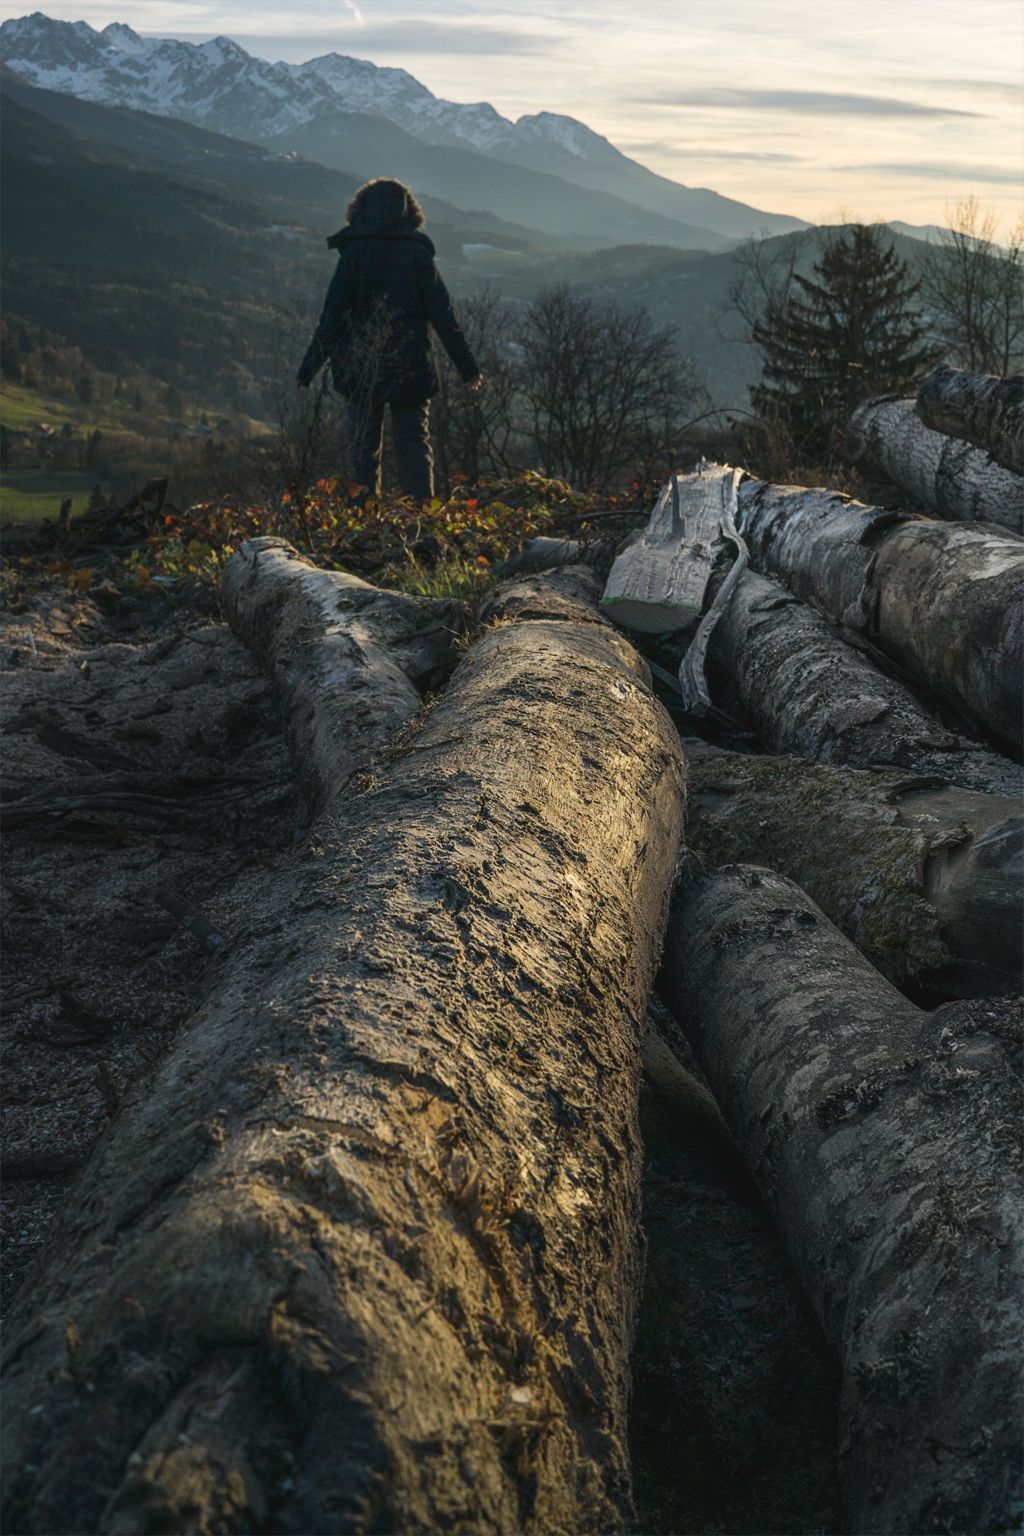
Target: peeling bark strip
(923, 877)
(347, 658)
(658, 583)
(362, 1256)
(946, 603)
(883, 1139)
(810, 693)
(981, 409)
(939, 474)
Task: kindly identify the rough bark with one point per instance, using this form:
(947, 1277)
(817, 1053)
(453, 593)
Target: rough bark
(349, 661)
(923, 877)
(810, 693)
(570, 592)
(946, 603)
(884, 1141)
(950, 609)
(943, 475)
(658, 583)
(981, 409)
(362, 1256)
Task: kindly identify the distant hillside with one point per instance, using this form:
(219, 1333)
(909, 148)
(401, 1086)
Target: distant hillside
(149, 241)
(572, 214)
(201, 259)
(568, 180)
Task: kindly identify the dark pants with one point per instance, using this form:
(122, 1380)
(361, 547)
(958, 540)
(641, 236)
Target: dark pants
(410, 427)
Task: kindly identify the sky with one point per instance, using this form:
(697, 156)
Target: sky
(867, 109)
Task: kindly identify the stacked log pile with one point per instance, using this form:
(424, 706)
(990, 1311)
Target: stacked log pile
(957, 451)
(364, 1253)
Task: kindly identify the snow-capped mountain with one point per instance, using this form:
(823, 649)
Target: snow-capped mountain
(219, 86)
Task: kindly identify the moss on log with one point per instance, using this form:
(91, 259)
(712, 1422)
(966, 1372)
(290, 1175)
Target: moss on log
(923, 877)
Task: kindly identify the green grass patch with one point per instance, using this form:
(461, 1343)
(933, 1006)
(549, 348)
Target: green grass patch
(26, 494)
(22, 408)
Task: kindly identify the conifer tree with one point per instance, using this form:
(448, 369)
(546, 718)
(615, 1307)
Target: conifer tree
(848, 332)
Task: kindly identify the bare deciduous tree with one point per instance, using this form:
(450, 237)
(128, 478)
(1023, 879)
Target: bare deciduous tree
(602, 386)
(475, 434)
(973, 288)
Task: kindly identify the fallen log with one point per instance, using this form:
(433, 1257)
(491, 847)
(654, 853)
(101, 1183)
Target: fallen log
(658, 583)
(346, 658)
(548, 554)
(922, 876)
(946, 603)
(362, 1255)
(568, 592)
(882, 1139)
(981, 409)
(810, 693)
(942, 475)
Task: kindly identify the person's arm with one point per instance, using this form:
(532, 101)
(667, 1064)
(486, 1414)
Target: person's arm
(330, 326)
(438, 307)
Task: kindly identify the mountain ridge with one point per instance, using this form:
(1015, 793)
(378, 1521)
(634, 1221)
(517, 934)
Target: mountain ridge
(218, 85)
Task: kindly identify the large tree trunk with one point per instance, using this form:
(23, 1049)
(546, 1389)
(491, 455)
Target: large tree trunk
(981, 409)
(923, 877)
(362, 1256)
(810, 693)
(886, 437)
(349, 661)
(946, 603)
(883, 1140)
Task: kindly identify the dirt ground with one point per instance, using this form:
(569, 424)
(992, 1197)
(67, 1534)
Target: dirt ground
(142, 757)
(144, 770)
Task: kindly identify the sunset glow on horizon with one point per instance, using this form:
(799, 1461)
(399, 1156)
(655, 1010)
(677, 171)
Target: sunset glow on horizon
(893, 109)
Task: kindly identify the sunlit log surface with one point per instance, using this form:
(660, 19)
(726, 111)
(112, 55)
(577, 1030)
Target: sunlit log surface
(809, 692)
(362, 1255)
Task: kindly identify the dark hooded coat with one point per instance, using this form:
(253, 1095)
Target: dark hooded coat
(385, 294)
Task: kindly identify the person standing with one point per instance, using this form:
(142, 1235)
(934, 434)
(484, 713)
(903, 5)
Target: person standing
(374, 332)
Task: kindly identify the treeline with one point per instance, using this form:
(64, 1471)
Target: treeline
(863, 322)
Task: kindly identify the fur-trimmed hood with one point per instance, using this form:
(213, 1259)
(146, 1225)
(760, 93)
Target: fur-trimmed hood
(397, 231)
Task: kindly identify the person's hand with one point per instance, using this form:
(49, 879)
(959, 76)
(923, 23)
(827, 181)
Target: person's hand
(476, 384)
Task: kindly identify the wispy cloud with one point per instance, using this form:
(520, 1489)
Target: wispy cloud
(938, 170)
(407, 37)
(355, 12)
(699, 152)
(828, 103)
